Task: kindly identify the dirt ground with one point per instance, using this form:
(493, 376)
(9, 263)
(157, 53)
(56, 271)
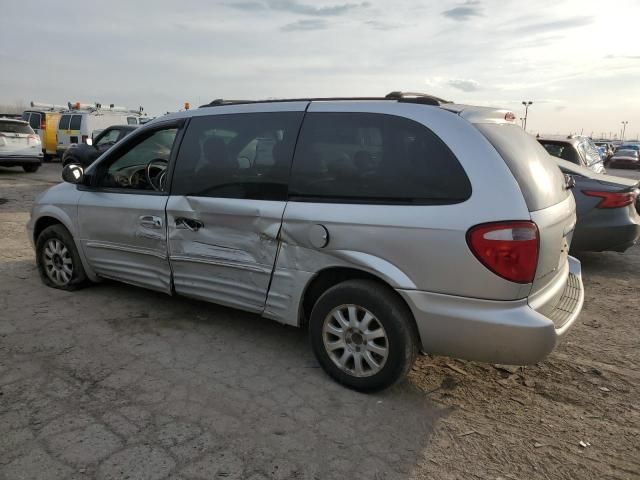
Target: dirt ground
(115, 382)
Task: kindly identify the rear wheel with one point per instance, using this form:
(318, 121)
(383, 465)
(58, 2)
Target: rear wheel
(31, 168)
(58, 261)
(363, 335)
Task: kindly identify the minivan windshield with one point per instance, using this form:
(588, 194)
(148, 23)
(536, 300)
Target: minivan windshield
(540, 179)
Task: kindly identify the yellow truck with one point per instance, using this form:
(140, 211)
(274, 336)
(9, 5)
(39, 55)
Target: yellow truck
(44, 118)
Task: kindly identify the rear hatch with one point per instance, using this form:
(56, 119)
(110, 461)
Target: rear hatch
(545, 191)
(15, 137)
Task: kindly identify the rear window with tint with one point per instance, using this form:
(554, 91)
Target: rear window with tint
(374, 158)
(14, 127)
(64, 122)
(76, 120)
(541, 181)
(563, 150)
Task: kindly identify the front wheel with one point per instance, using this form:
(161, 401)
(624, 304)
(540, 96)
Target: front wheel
(58, 261)
(31, 168)
(363, 335)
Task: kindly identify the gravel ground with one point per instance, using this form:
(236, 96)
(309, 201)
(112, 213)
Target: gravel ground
(115, 382)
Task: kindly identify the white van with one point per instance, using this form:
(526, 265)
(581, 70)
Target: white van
(79, 122)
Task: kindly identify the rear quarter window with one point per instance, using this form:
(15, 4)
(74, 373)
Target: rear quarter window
(374, 158)
(540, 179)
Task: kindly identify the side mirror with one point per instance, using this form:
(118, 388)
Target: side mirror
(72, 173)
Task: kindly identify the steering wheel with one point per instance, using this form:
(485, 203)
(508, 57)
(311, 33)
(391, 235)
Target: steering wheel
(161, 178)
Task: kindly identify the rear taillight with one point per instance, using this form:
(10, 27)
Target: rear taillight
(33, 139)
(508, 249)
(43, 123)
(612, 199)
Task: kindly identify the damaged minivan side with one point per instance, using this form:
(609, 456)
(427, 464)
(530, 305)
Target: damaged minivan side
(385, 226)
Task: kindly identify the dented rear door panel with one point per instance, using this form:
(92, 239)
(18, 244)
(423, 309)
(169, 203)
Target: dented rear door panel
(226, 252)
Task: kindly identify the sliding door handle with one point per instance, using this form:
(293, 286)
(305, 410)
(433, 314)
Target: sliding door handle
(189, 224)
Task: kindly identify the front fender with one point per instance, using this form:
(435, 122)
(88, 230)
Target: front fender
(60, 203)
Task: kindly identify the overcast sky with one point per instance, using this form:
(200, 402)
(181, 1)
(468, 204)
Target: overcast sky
(578, 61)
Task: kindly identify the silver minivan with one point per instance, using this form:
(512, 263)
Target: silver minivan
(385, 225)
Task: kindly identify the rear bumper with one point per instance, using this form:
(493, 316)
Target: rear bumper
(610, 233)
(509, 332)
(19, 160)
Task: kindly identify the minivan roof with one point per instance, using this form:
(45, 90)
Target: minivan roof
(473, 114)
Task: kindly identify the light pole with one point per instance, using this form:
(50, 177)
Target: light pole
(624, 127)
(526, 112)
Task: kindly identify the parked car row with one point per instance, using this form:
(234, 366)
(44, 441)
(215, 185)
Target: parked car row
(577, 149)
(59, 128)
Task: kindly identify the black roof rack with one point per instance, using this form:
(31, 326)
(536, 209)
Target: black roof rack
(414, 97)
(408, 97)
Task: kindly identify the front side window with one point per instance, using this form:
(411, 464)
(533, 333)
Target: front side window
(63, 124)
(34, 121)
(373, 158)
(143, 166)
(237, 156)
(76, 121)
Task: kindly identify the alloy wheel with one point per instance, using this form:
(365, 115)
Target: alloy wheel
(355, 340)
(58, 262)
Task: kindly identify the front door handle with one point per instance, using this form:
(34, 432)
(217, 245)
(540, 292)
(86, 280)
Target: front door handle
(189, 224)
(150, 221)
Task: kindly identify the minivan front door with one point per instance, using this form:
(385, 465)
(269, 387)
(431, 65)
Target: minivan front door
(227, 200)
(121, 217)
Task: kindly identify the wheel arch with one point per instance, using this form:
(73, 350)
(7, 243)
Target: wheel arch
(55, 216)
(331, 276)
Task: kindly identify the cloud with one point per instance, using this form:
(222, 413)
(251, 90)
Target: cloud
(382, 26)
(293, 6)
(305, 25)
(464, 85)
(464, 12)
(624, 57)
(248, 6)
(564, 24)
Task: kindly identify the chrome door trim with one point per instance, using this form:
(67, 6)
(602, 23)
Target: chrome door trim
(125, 248)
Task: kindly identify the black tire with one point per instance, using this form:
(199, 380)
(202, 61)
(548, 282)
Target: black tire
(389, 311)
(77, 278)
(31, 168)
(47, 158)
